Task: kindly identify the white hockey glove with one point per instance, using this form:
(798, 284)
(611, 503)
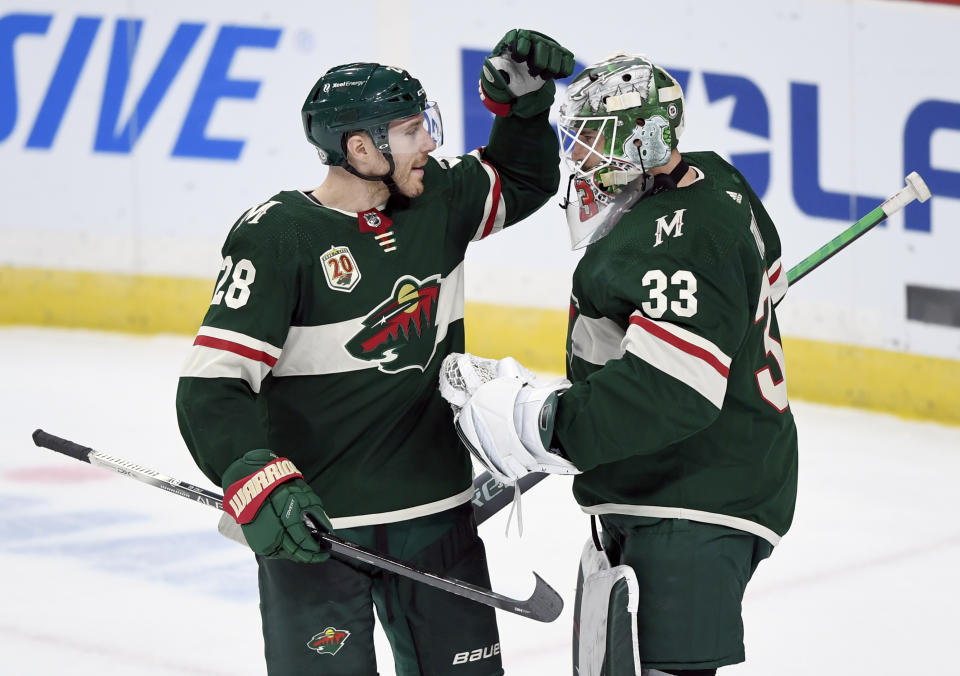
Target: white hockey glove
(508, 424)
(462, 374)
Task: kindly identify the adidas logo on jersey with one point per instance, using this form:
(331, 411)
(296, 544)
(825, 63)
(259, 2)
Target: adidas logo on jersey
(735, 196)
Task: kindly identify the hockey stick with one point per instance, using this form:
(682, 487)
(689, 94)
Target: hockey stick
(915, 189)
(544, 605)
(490, 496)
(489, 501)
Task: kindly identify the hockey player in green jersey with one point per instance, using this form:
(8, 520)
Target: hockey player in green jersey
(675, 417)
(311, 383)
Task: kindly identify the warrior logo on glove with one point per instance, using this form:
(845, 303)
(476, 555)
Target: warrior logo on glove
(242, 500)
(401, 332)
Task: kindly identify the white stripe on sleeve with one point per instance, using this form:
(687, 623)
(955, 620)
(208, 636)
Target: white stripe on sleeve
(682, 354)
(220, 353)
(494, 211)
(596, 340)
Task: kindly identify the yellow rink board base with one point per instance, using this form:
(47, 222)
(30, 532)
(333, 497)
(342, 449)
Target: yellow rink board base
(911, 386)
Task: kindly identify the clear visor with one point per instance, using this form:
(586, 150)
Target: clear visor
(433, 123)
(582, 140)
(406, 136)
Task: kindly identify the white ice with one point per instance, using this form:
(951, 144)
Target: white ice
(102, 574)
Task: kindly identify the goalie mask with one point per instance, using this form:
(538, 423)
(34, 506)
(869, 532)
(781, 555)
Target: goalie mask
(621, 118)
(364, 97)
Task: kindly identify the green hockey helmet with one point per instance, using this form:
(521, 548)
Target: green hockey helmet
(363, 97)
(636, 108)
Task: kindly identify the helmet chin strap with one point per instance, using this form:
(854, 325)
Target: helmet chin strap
(386, 178)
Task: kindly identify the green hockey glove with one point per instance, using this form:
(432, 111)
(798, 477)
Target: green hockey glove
(517, 76)
(266, 495)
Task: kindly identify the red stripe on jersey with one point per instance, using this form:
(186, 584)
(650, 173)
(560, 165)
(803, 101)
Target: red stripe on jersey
(494, 202)
(680, 344)
(236, 348)
(776, 275)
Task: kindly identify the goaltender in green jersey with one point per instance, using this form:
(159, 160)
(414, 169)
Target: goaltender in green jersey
(675, 418)
(312, 382)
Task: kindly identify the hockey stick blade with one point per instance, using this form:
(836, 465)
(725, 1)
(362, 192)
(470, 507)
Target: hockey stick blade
(915, 189)
(544, 605)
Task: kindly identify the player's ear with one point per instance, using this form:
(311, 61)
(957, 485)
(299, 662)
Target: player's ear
(359, 147)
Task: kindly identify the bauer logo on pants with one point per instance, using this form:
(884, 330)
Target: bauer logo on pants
(329, 641)
(477, 655)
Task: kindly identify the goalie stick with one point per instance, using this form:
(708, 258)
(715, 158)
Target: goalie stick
(543, 605)
(916, 189)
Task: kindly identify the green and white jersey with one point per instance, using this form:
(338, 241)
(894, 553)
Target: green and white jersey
(679, 406)
(326, 330)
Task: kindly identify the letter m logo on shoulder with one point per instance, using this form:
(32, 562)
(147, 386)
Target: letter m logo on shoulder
(329, 641)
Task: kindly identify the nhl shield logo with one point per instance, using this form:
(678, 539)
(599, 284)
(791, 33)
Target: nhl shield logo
(340, 269)
(329, 641)
(373, 220)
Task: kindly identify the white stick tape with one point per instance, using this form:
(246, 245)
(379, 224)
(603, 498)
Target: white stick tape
(916, 190)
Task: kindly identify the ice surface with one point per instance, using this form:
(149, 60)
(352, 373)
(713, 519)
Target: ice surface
(102, 574)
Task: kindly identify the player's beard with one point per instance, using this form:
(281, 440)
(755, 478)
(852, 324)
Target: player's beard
(409, 177)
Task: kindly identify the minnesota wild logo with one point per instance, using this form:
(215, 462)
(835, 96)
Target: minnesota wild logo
(401, 332)
(329, 641)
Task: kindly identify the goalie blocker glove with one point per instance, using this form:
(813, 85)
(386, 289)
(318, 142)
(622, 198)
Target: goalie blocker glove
(267, 496)
(508, 425)
(517, 76)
